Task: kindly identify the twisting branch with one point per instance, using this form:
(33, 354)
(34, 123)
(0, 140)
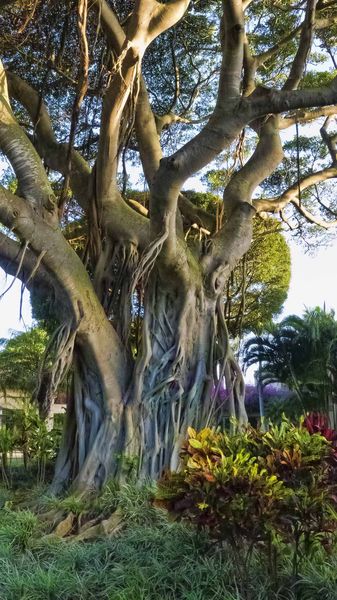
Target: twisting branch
(268, 54)
(322, 23)
(148, 20)
(305, 116)
(293, 193)
(232, 241)
(329, 140)
(145, 123)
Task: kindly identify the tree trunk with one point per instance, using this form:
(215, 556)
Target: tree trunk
(93, 426)
(179, 378)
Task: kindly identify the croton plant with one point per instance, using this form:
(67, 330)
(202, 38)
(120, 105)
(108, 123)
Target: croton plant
(256, 486)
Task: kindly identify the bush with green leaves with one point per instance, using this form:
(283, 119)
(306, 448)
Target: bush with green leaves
(257, 488)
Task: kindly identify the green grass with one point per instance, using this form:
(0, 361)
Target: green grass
(151, 559)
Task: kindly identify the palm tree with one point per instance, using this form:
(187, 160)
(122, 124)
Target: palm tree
(299, 352)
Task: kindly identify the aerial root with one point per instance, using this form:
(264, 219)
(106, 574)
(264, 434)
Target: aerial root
(59, 353)
(148, 260)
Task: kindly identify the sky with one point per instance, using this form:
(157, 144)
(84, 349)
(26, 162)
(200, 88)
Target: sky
(313, 280)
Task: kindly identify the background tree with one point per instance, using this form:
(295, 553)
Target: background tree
(258, 286)
(20, 359)
(74, 100)
(298, 352)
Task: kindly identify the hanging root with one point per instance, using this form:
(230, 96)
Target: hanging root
(113, 276)
(179, 379)
(148, 260)
(55, 365)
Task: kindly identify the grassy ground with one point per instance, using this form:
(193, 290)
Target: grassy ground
(150, 559)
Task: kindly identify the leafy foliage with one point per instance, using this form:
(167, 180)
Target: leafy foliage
(255, 487)
(150, 559)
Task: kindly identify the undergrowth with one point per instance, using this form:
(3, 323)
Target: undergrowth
(153, 558)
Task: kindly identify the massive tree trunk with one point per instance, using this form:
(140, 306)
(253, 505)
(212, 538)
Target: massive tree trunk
(145, 269)
(178, 379)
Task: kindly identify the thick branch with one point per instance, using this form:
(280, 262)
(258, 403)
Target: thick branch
(230, 245)
(53, 153)
(266, 157)
(304, 47)
(14, 143)
(237, 198)
(272, 101)
(72, 278)
(148, 20)
(233, 37)
(145, 125)
(10, 258)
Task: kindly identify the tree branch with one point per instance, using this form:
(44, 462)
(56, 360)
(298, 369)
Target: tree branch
(27, 165)
(53, 153)
(272, 101)
(148, 20)
(232, 41)
(330, 141)
(304, 47)
(237, 198)
(305, 116)
(10, 260)
(145, 125)
(266, 157)
(274, 205)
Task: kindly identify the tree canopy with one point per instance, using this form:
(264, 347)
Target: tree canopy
(88, 92)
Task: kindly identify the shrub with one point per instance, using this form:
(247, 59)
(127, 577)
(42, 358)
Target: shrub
(257, 488)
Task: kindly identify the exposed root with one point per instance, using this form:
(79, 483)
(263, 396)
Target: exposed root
(81, 527)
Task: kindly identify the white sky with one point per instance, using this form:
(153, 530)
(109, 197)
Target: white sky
(313, 280)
